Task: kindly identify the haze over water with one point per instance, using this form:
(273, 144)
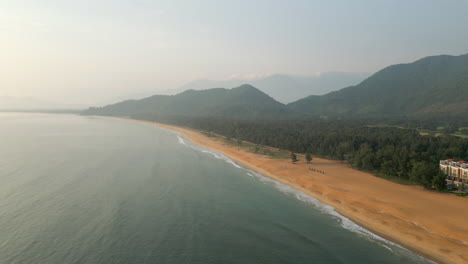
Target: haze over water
(95, 190)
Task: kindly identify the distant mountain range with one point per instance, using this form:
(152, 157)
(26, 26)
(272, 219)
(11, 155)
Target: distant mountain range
(285, 88)
(437, 84)
(241, 102)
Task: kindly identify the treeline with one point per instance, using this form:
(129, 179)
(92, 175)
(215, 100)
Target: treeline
(436, 122)
(402, 153)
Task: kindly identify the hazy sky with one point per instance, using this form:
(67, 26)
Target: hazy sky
(90, 51)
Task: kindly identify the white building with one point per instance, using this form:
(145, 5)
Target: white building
(456, 171)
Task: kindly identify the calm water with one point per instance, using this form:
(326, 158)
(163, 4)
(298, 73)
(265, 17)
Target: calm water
(95, 190)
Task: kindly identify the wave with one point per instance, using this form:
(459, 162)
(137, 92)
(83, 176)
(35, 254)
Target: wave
(181, 140)
(344, 222)
(205, 150)
(222, 157)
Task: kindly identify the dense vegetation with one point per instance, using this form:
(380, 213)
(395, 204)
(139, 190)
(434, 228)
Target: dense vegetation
(437, 84)
(390, 151)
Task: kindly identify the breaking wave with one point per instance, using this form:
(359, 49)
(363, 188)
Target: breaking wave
(181, 140)
(208, 151)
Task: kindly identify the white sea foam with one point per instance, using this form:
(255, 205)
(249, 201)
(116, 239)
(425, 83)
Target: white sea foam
(323, 208)
(221, 157)
(181, 140)
(342, 220)
(205, 150)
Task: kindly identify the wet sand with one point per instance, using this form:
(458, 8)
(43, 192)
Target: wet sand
(432, 224)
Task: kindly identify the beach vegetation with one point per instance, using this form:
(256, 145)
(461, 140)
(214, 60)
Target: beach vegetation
(424, 173)
(257, 148)
(438, 181)
(294, 157)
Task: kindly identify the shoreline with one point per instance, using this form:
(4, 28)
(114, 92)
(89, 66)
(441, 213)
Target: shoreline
(427, 223)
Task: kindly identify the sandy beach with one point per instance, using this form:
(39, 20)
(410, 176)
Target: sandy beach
(432, 224)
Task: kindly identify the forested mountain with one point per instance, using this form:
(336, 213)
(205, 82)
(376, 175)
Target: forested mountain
(244, 102)
(437, 84)
(287, 88)
(432, 86)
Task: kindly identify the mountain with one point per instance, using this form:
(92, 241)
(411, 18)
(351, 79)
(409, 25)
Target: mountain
(244, 102)
(286, 88)
(437, 84)
(429, 86)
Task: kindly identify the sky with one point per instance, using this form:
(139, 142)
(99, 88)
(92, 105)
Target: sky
(94, 51)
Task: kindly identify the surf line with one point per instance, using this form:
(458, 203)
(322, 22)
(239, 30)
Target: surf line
(344, 222)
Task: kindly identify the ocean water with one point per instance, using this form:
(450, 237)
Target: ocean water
(77, 189)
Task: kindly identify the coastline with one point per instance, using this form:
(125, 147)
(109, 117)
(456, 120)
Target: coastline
(428, 223)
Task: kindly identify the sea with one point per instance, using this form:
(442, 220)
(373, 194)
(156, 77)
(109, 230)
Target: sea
(84, 189)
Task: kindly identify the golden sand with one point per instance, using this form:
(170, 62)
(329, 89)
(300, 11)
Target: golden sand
(432, 224)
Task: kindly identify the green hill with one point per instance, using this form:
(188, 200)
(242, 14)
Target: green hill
(286, 88)
(437, 84)
(244, 102)
(432, 86)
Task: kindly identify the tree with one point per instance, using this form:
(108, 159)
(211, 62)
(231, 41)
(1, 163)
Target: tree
(388, 167)
(424, 173)
(439, 181)
(308, 157)
(293, 157)
(417, 172)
